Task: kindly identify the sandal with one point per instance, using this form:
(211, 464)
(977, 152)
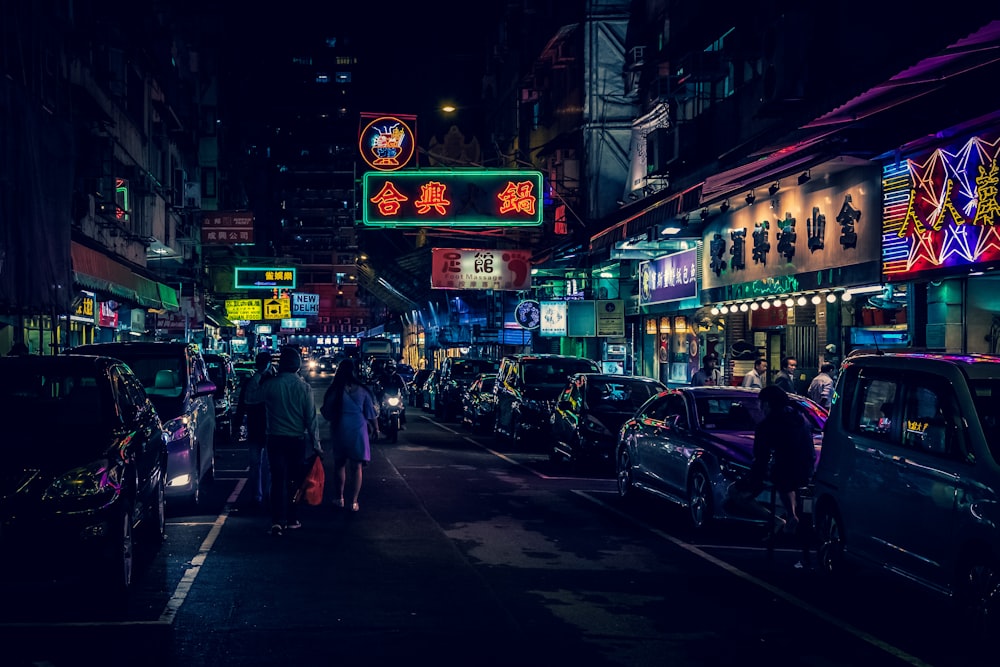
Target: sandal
(339, 504)
(355, 507)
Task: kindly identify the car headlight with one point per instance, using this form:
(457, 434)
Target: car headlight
(94, 480)
(177, 428)
(312, 364)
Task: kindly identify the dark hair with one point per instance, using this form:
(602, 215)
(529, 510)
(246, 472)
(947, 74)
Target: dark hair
(290, 360)
(334, 397)
(759, 360)
(262, 360)
(826, 367)
(774, 396)
(785, 360)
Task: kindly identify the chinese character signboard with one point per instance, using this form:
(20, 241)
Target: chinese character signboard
(243, 310)
(85, 307)
(305, 305)
(277, 309)
(435, 198)
(455, 268)
(941, 211)
(227, 228)
(669, 278)
(387, 143)
(264, 278)
(553, 318)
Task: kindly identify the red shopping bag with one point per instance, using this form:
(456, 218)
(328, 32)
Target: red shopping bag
(312, 486)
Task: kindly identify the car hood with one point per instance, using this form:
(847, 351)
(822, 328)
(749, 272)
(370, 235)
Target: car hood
(26, 455)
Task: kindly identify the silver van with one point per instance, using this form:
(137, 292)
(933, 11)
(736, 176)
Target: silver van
(909, 477)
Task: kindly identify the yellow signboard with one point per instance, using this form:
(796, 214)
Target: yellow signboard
(243, 309)
(277, 309)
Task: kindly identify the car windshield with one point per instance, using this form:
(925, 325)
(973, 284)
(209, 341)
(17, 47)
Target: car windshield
(487, 385)
(216, 370)
(554, 371)
(619, 395)
(163, 375)
(986, 395)
(45, 396)
(470, 368)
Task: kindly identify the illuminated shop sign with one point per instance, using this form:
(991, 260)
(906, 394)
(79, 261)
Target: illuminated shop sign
(669, 278)
(435, 198)
(941, 211)
(227, 228)
(553, 318)
(243, 310)
(459, 268)
(305, 305)
(387, 142)
(265, 278)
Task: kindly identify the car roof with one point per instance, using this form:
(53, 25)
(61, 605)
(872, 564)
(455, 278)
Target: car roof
(617, 376)
(89, 363)
(975, 366)
(138, 347)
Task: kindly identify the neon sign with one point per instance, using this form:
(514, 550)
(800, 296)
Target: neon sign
(437, 198)
(941, 212)
(387, 143)
(264, 278)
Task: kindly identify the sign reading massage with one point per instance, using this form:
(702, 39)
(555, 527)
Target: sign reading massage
(669, 278)
(437, 198)
(462, 268)
(941, 210)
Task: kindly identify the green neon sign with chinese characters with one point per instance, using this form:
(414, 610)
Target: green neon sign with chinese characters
(439, 198)
(252, 277)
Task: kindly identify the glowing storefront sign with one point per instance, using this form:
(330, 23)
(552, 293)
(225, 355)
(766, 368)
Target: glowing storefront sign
(941, 211)
(387, 142)
(264, 278)
(669, 278)
(435, 198)
(553, 318)
(243, 310)
(462, 268)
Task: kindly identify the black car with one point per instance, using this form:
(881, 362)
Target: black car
(83, 479)
(688, 446)
(453, 378)
(415, 387)
(526, 389)
(478, 402)
(591, 410)
(227, 392)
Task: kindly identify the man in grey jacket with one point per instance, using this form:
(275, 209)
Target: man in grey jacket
(292, 434)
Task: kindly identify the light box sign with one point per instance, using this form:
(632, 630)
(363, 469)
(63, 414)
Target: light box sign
(277, 309)
(941, 211)
(553, 318)
(243, 310)
(463, 268)
(387, 143)
(438, 198)
(293, 323)
(264, 277)
(581, 319)
(305, 305)
(670, 278)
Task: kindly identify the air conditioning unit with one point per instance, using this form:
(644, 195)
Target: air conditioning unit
(192, 195)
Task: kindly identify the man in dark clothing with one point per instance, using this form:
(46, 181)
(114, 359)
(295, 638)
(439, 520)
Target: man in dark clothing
(256, 416)
(785, 379)
(782, 442)
(709, 373)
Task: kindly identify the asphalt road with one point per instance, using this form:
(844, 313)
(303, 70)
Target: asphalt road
(468, 552)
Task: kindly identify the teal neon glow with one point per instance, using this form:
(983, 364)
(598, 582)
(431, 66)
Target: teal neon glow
(448, 198)
(263, 277)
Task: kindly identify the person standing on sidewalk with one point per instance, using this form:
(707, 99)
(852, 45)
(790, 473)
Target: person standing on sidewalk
(292, 435)
(350, 409)
(256, 418)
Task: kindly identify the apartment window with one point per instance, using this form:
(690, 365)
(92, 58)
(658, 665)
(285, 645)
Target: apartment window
(208, 182)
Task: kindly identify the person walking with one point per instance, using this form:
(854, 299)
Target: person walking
(782, 450)
(785, 379)
(349, 407)
(821, 387)
(709, 373)
(755, 377)
(292, 435)
(256, 420)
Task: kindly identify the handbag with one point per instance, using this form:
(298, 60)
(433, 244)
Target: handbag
(311, 490)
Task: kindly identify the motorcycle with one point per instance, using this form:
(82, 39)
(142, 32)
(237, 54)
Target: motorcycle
(390, 414)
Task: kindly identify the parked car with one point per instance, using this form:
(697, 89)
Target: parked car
(590, 412)
(689, 445)
(84, 473)
(909, 480)
(453, 379)
(416, 386)
(526, 389)
(428, 392)
(478, 402)
(227, 393)
(176, 380)
(406, 372)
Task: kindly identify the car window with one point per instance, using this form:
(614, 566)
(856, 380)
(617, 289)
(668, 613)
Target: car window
(39, 396)
(618, 395)
(873, 408)
(928, 418)
(729, 413)
(555, 371)
(986, 396)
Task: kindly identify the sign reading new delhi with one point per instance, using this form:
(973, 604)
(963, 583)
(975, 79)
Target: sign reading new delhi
(437, 198)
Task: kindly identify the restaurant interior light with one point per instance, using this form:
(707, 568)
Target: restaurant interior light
(777, 303)
(715, 310)
(816, 299)
(831, 297)
(846, 296)
(744, 308)
(789, 302)
(766, 305)
(724, 310)
(754, 306)
(801, 300)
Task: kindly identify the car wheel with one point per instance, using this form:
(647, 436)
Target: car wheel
(699, 498)
(155, 521)
(626, 483)
(831, 536)
(979, 596)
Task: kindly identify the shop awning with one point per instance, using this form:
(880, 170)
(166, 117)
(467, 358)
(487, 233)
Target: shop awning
(100, 273)
(217, 318)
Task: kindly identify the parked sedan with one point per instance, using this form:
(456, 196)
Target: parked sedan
(590, 412)
(84, 469)
(689, 445)
(478, 402)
